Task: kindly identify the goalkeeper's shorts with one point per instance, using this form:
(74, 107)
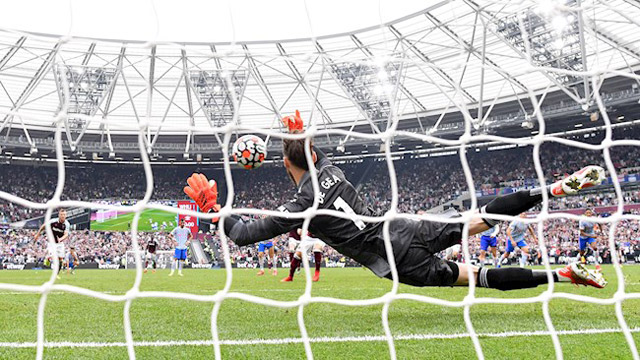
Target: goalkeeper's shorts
(421, 266)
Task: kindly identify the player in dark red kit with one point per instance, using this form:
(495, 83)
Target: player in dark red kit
(60, 228)
(298, 245)
(152, 246)
(415, 244)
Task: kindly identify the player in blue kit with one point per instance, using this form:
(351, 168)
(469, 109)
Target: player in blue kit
(588, 239)
(515, 238)
(489, 241)
(263, 247)
(72, 261)
(182, 235)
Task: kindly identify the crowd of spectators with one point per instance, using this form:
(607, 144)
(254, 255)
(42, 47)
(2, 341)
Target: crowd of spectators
(102, 247)
(560, 238)
(423, 183)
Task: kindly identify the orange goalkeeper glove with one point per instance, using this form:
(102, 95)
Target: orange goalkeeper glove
(294, 122)
(203, 192)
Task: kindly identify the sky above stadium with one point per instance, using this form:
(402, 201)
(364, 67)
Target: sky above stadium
(201, 21)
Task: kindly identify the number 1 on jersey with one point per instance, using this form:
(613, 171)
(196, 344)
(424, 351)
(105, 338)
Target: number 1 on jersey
(340, 204)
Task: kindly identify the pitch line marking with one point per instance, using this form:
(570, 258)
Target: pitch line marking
(284, 341)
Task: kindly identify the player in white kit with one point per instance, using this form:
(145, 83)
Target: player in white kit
(182, 235)
(489, 242)
(588, 238)
(516, 233)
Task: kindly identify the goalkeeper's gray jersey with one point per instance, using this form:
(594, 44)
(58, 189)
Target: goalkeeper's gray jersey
(359, 240)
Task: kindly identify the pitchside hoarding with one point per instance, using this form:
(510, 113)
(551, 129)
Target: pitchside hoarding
(189, 221)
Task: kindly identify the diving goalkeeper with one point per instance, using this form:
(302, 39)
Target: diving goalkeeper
(415, 243)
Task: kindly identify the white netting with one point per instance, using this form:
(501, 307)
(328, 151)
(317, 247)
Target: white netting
(402, 52)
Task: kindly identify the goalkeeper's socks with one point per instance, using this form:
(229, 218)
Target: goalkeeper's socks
(180, 263)
(513, 278)
(512, 204)
(294, 265)
(273, 264)
(261, 261)
(317, 257)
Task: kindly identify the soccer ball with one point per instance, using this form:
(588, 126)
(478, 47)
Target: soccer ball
(249, 151)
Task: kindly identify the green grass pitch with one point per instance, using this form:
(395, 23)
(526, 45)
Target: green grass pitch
(122, 222)
(81, 319)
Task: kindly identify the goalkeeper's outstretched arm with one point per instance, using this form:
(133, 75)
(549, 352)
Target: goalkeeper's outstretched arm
(255, 231)
(205, 194)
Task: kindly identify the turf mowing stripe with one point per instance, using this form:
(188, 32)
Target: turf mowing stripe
(285, 341)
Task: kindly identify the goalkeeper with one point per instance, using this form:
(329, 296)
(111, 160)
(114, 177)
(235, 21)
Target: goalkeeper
(415, 243)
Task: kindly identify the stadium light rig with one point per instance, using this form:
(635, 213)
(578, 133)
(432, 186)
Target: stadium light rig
(214, 92)
(553, 36)
(370, 85)
(86, 89)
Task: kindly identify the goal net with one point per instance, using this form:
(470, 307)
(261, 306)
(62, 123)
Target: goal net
(435, 87)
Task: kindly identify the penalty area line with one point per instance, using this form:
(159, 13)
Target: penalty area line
(68, 344)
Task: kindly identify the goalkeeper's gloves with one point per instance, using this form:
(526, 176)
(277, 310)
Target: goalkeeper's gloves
(203, 192)
(294, 123)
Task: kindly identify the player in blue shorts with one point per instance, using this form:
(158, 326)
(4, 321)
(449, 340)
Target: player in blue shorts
(263, 247)
(72, 261)
(488, 241)
(588, 239)
(181, 235)
(515, 238)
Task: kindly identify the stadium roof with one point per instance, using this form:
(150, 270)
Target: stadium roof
(455, 57)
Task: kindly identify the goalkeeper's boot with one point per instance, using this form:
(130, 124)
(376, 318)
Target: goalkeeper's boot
(180, 273)
(274, 272)
(287, 279)
(145, 270)
(260, 273)
(586, 177)
(579, 274)
(316, 276)
(171, 273)
(153, 271)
